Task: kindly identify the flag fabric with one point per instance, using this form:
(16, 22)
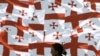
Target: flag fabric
(30, 27)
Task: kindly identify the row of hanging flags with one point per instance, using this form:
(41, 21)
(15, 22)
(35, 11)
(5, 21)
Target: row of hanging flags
(30, 27)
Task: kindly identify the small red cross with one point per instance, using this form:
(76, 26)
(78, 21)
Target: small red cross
(20, 38)
(22, 12)
(33, 17)
(32, 34)
(89, 36)
(90, 23)
(93, 3)
(72, 4)
(57, 35)
(53, 6)
(53, 25)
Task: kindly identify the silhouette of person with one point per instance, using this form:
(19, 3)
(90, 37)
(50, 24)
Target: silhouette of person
(57, 50)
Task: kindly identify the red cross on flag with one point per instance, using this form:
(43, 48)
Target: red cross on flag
(30, 27)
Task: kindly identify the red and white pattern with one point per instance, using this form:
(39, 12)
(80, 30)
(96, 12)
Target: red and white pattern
(30, 27)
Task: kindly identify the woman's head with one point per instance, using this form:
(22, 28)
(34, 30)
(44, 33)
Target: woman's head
(57, 50)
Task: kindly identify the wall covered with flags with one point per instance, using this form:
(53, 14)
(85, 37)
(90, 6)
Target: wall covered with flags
(30, 27)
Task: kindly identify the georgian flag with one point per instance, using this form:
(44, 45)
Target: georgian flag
(30, 27)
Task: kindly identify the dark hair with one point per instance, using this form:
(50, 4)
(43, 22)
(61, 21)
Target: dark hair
(58, 47)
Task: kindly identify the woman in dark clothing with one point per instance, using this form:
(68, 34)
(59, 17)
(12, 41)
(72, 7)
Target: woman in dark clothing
(57, 50)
